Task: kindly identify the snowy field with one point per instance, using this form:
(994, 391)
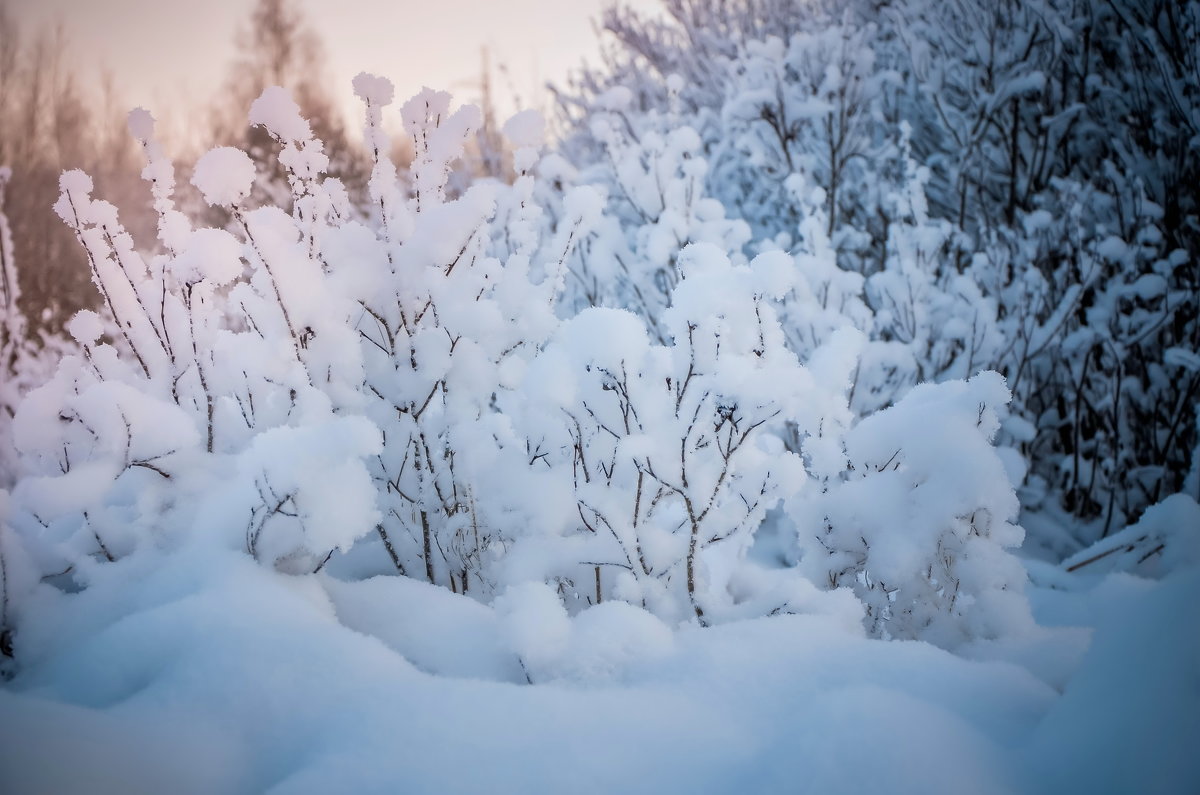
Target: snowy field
(225, 677)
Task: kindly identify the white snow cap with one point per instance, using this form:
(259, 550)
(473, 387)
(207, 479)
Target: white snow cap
(275, 110)
(76, 188)
(86, 327)
(141, 124)
(211, 254)
(526, 128)
(224, 176)
(373, 89)
(75, 182)
(585, 203)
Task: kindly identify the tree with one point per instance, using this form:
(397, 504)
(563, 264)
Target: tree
(278, 48)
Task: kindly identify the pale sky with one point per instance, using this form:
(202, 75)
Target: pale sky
(172, 55)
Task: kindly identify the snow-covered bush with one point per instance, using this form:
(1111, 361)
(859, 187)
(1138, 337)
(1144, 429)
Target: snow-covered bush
(672, 449)
(921, 523)
(810, 104)
(932, 321)
(208, 371)
(654, 176)
(807, 149)
(1067, 148)
(1166, 539)
(471, 290)
(305, 378)
(321, 377)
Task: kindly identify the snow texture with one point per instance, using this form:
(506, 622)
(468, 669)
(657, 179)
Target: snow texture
(224, 176)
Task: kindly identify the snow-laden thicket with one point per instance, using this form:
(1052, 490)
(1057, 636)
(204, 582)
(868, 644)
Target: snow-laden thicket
(406, 392)
(973, 184)
(691, 421)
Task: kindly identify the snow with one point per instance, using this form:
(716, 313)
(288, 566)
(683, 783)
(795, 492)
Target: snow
(76, 187)
(1180, 357)
(278, 112)
(568, 478)
(1164, 540)
(227, 677)
(526, 128)
(1128, 716)
(86, 327)
(141, 124)
(373, 89)
(224, 176)
(211, 254)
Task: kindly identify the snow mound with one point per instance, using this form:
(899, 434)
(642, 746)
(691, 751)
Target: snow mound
(1165, 539)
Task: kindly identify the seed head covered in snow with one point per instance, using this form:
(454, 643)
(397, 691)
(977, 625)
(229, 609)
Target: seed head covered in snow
(526, 128)
(86, 327)
(211, 254)
(526, 132)
(224, 176)
(278, 112)
(373, 89)
(76, 197)
(140, 124)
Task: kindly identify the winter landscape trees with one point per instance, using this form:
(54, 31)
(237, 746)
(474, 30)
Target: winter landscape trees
(944, 149)
(875, 321)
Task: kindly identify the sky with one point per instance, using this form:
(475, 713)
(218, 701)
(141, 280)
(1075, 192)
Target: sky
(172, 55)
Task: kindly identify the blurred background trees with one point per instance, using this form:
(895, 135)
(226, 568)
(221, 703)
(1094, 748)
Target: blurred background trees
(277, 47)
(50, 122)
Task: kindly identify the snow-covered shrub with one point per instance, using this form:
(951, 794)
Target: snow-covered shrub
(324, 377)
(1110, 376)
(933, 322)
(980, 81)
(921, 523)
(808, 103)
(673, 450)
(212, 366)
(1064, 141)
(654, 176)
(305, 377)
(471, 285)
(12, 338)
(807, 149)
(1166, 539)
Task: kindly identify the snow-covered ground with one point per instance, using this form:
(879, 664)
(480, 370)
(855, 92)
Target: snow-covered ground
(183, 672)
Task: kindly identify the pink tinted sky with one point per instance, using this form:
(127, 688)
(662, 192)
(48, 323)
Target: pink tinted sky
(172, 55)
